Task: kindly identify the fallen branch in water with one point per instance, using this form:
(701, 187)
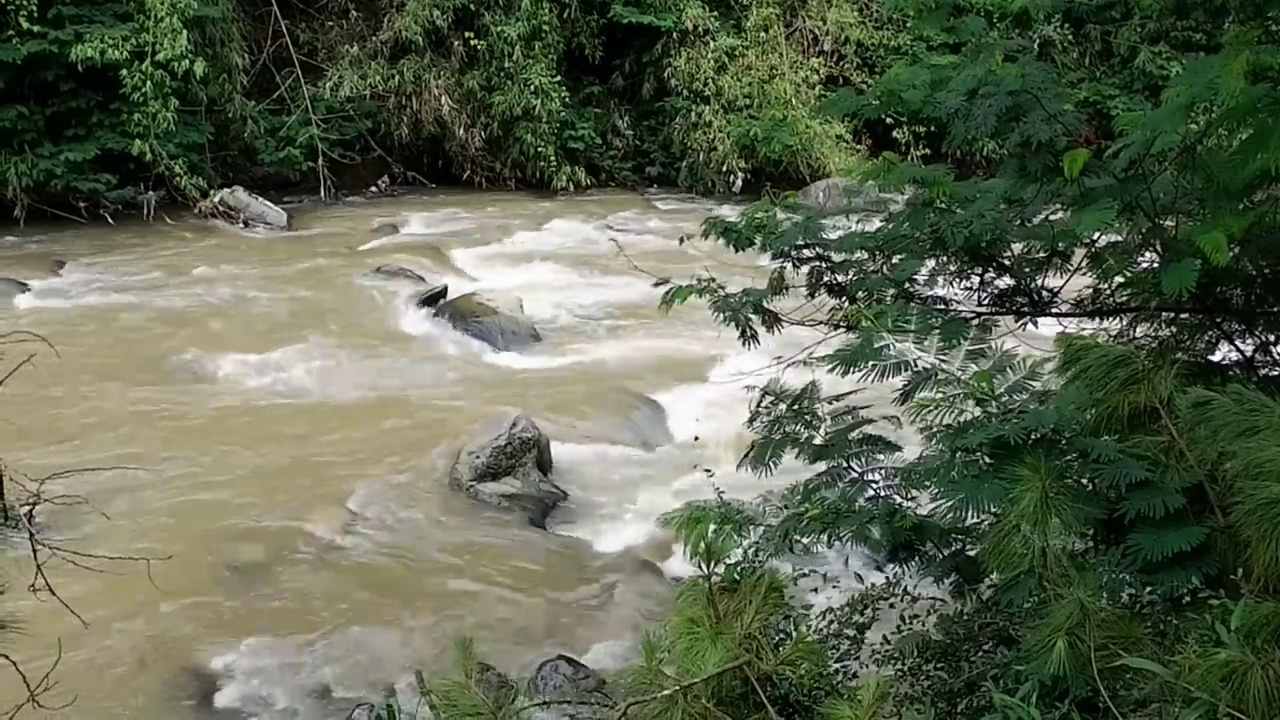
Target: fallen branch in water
(44, 549)
(18, 513)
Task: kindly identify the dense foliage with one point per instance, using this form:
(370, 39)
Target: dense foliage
(106, 103)
(1102, 518)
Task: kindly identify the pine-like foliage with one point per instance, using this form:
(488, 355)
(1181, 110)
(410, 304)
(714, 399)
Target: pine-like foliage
(1109, 506)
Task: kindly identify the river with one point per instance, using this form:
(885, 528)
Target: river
(290, 413)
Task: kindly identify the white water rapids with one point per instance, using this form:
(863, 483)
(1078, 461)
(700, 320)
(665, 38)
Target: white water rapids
(290, 414)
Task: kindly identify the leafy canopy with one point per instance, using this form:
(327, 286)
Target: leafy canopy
(1102, 504)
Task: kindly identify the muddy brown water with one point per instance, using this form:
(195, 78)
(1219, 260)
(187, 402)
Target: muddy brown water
(292, 416)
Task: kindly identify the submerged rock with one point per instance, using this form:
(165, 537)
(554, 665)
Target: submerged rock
(386, 227)
(843, 195)
(567, 679)
(196, 687)
(253, 209)
(617, 417)
(506, 464)
(56, 267)
(496, 321)
(647, 423)
(12, 287)
(398, 272)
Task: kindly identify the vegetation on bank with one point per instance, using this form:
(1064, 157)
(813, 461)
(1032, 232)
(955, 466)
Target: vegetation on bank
(107, 104)
(103, 102)
(1103, 517)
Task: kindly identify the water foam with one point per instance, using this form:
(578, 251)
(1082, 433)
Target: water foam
(415, 227)
(557, 294)
(553, 293)
(313, 677)
(618, 493)
(616, 504)
(88, 284)
(318, 368)
(104, 282)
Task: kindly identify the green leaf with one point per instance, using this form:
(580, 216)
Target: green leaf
(1073, 162)
(1214, 246)
(1095, 217)
(1198, 709)
(1179, 278)
(1237, 616)
(983, 379)
(1151, 666)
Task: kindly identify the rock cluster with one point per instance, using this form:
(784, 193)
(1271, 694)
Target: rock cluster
(563, 686)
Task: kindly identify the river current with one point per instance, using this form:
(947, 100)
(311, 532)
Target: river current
(291, 417)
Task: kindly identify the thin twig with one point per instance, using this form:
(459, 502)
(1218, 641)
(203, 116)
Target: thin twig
(68, 216)
(1093, 660)
(764, 698)
(34, 690)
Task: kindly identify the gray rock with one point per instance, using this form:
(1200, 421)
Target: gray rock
(493, 683)
(616, 417)
(566, 678)
(838, 196)
(196, 687)
(496, 321)
(386, 227)
(432, 296)
(506, 464)
(57, 266)
(647, 423)
(398, 272)
(12, 287)
(254, 209)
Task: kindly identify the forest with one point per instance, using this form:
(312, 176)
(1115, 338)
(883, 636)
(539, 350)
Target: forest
(1102, 518)
(104, 102)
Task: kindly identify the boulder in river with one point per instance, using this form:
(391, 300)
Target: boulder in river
(567, 680)
(839, 196)
(57, 266)
(506, 464)
(432, 296)
(647, 423)
(398, 272)
(496, 321)
(616, 416)
(253, 209)
(429, 298)
(12, 287)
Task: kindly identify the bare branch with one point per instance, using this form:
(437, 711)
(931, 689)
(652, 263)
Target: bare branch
(35, 690)
(18, 516)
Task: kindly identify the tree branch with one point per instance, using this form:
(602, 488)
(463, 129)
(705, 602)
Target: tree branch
(644, 699)
(34, 690)
(19, 517)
